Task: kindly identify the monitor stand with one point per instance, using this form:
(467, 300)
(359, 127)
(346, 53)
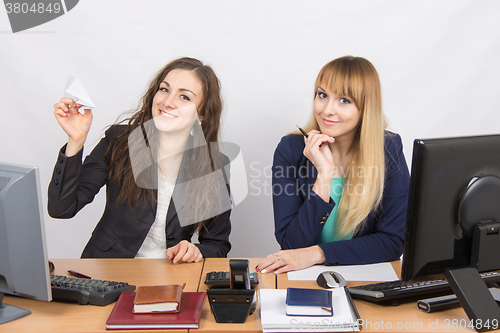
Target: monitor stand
(470, 289)
(475, 298)
(10, 312)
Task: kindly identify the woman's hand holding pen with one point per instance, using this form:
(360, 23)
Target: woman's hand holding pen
(75, 124)
(318, 152)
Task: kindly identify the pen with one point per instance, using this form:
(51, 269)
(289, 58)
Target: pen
(77, 274)
(303, 132)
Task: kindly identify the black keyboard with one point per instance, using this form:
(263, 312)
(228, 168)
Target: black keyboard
(222, 279)
(86, 291)
(384, 291)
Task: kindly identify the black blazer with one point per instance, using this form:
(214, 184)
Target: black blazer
(122, 229)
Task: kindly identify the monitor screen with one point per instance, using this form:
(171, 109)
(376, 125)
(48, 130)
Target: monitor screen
(443, 172)
(24, 269)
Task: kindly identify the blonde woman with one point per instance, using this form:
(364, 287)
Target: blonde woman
(340, 192)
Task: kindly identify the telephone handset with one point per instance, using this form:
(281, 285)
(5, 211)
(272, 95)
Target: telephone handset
(239, 274)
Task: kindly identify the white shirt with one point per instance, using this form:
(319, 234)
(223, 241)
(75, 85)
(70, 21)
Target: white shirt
(155, 243)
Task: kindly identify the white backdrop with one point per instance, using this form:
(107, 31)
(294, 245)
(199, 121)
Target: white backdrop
(437, 60)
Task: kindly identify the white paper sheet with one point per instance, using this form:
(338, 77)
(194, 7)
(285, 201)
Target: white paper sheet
(74, 89)
(274, 319)
(371, 272)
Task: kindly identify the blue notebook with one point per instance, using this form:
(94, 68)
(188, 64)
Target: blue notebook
(309, 302)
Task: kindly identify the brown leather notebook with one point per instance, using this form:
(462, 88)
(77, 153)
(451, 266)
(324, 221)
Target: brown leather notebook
(165, 298)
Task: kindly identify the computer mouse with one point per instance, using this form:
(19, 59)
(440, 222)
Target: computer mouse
(330, 279)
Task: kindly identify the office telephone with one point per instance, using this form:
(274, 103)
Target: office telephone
(233, 305)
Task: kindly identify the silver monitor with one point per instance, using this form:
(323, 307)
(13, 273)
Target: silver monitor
(24, 267)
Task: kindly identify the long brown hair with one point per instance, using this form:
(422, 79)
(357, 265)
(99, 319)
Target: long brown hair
(209, 110)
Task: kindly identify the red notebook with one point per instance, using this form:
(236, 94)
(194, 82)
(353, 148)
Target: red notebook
(122, 317)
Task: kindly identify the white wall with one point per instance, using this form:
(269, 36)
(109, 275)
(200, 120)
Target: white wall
(438, 63)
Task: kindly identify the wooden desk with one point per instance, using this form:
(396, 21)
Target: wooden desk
(252, 324)
(387, 318)
(71, 317)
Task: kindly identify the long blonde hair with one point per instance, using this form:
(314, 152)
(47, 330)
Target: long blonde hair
(363, 184)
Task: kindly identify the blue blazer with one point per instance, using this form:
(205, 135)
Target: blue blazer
(300, 214)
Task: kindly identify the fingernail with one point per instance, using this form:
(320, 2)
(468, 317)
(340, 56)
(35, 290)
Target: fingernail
(333, 138)
(257, 268)
(263, 271)
(276, 272)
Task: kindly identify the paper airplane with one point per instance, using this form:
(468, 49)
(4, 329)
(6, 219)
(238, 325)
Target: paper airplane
(75, 90)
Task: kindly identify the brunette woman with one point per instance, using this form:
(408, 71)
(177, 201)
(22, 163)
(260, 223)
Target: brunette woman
(163, 181)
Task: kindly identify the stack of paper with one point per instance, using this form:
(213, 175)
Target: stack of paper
(370, 272)
(274, 318)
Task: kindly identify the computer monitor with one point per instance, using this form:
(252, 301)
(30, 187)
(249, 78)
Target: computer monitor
(24, 269)
(453, 219)
(455, 183)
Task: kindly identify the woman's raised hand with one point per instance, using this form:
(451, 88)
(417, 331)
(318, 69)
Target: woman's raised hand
(75, 124)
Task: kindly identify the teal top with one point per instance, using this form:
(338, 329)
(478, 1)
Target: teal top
(328, 233)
